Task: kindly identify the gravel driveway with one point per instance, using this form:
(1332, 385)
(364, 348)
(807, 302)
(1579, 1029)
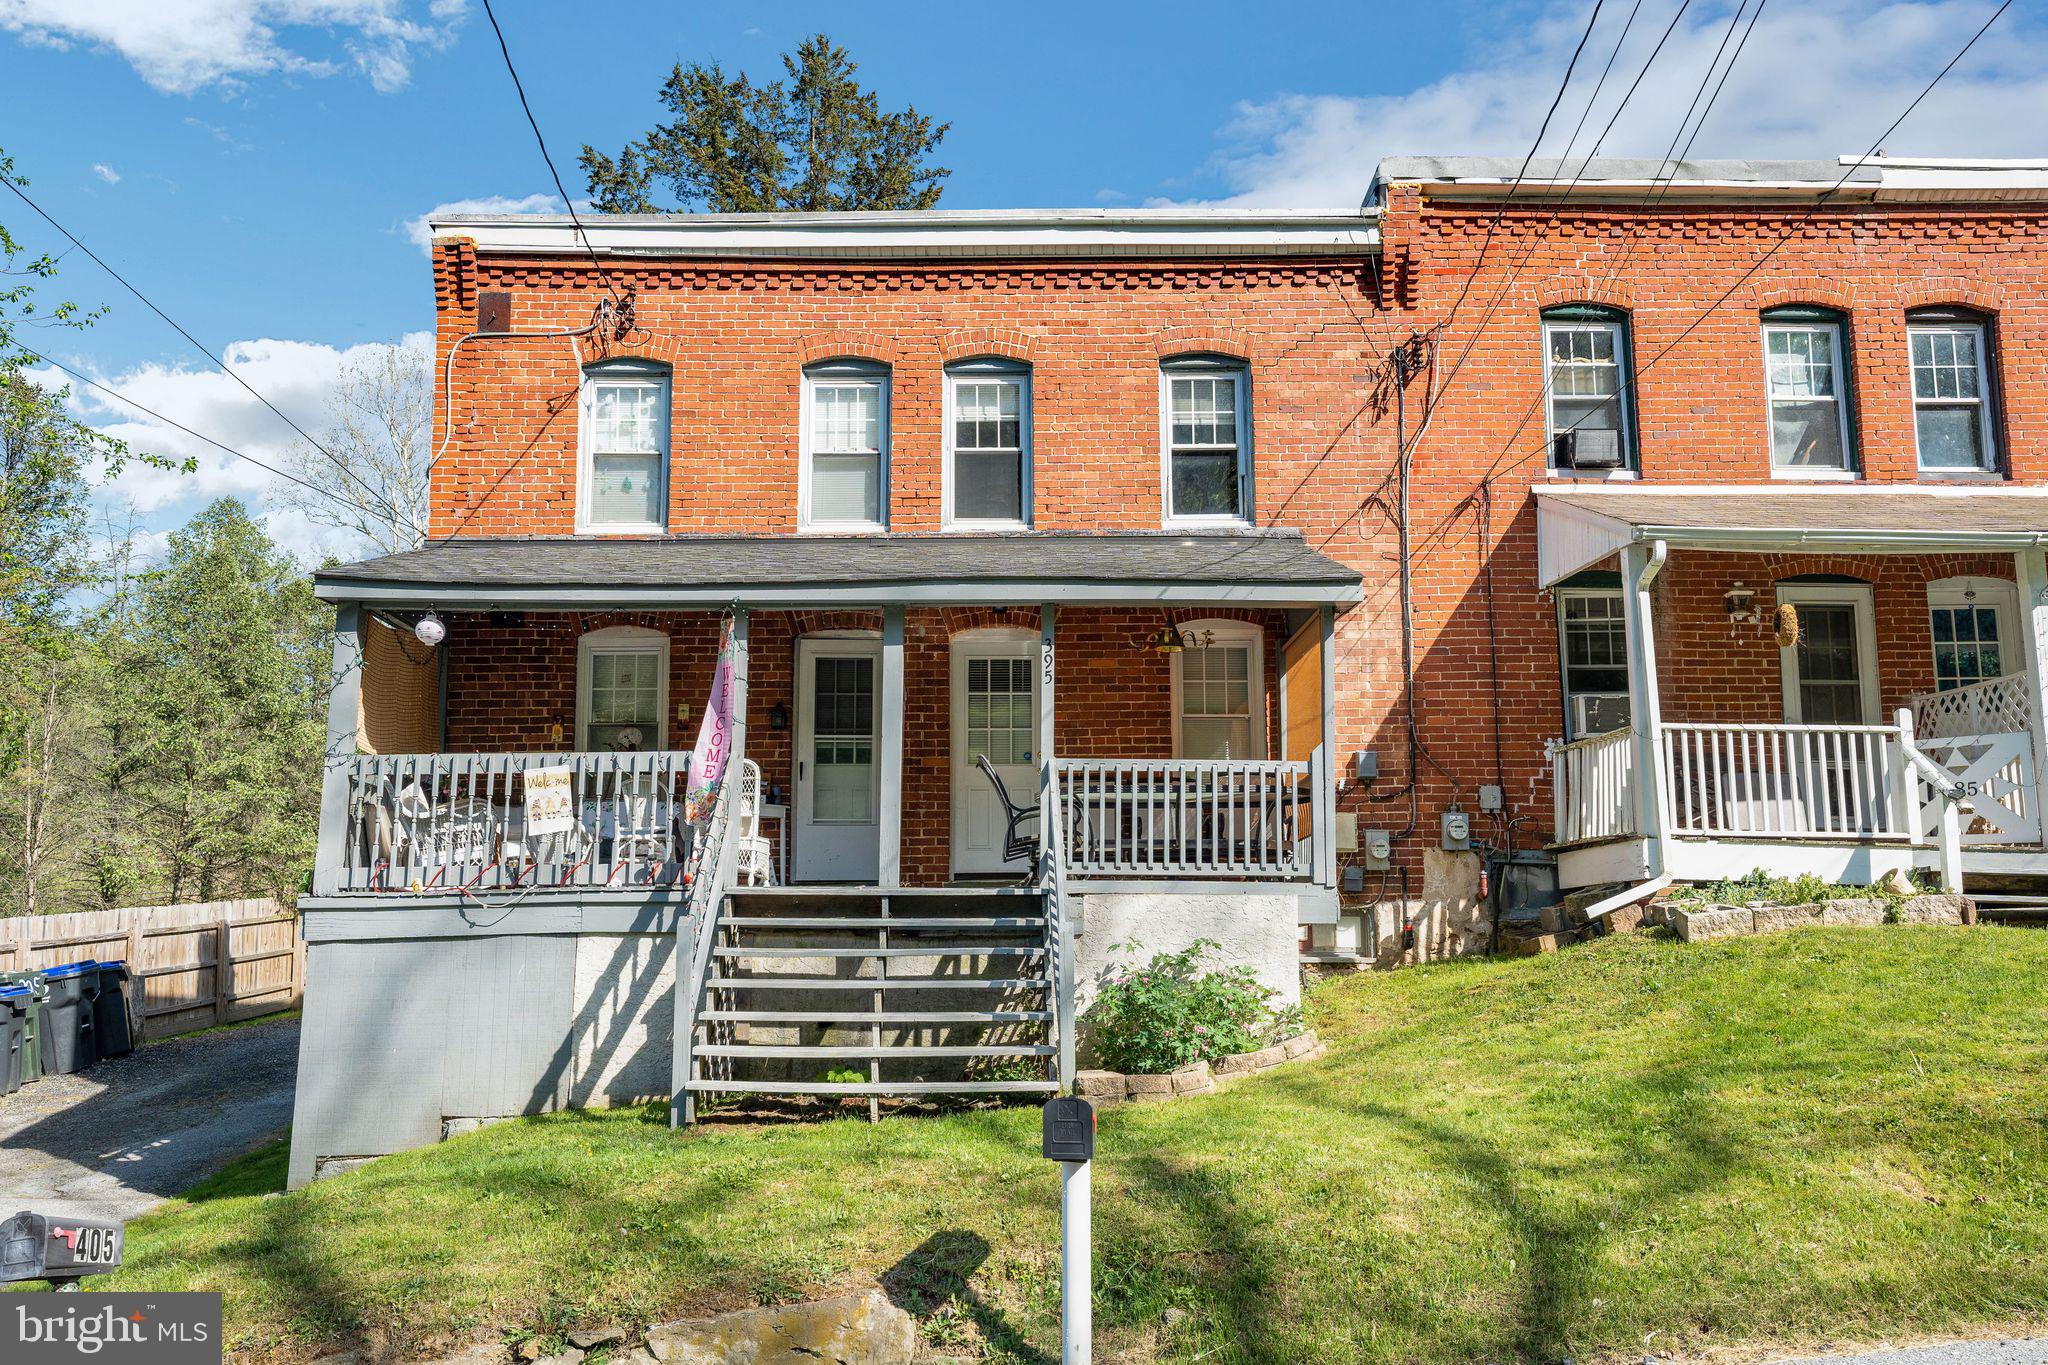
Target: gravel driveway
(2033, 1351)
(119, 1139)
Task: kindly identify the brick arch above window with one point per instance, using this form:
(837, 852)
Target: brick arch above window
(972, 343)
(637, 345)
(1808, 292)
(1950, 291)
(1229, 342)
(848, 344)
(960, 620)
(1585, 291)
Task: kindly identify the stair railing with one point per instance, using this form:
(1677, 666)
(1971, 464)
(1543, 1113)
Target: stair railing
(1059, 939)
(711, 874)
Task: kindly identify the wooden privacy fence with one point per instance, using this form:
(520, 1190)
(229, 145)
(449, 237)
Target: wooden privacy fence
(191, 966)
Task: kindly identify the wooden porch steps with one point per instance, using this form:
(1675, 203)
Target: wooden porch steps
(769, 1020)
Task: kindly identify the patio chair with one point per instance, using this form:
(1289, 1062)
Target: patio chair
(1016, 844)
(755, 856)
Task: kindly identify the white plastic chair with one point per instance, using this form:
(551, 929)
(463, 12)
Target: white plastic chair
(756, 856)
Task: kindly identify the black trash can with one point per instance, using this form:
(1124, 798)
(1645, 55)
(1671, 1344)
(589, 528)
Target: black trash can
(67, 1017)
(112, 1034)
(37, 991)
(13, 1036)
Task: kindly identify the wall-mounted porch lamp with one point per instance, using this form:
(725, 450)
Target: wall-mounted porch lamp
(1165, 639)
(1740, 604)
(778, 717)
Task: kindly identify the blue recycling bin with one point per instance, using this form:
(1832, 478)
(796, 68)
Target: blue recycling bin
(68, 1017)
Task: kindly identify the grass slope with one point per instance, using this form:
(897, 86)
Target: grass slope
(1829, 1134)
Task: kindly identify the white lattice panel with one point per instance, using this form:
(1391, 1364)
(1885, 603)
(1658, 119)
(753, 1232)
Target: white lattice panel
(1997, 707)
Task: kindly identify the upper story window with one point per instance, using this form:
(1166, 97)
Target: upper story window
(1806, 375)
(1205, 402)
(622, 474)
(988, 444)
(1952, 418)
(845, 480)
(1587, 382)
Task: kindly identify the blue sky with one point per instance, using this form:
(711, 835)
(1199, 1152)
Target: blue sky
(254, 164)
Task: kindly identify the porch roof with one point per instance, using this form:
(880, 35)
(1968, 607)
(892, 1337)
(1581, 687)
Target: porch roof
(1259, 567)
(1577, 526)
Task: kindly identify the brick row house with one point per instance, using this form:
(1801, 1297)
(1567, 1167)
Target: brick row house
(1321, 585)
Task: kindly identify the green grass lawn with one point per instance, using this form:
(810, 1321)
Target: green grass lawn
(1636, 1144)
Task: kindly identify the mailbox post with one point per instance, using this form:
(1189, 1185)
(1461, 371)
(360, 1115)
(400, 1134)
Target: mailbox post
(1070, 1140)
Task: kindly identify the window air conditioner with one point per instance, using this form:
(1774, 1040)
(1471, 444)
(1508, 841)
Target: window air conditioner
(1586, 449)
(1598, 713)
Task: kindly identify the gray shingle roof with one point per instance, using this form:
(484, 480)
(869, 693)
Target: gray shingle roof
(1266, 566)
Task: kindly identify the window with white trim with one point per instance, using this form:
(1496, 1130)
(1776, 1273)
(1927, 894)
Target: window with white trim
(1219, 691)
(1970, 626)
(988, 444)
(622, 690)
(846, 446)
(622, 478)
(1593, 645)
(1586, 357)
(1951, 394)
(1206, 406)
(1807, 381)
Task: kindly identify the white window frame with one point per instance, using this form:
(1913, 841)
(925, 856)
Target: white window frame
(1624, 364)
(621, 640)
(1863, 599)
(650, 374)
(1835, 327)
(1200, 367)
(992, 369)
(1987, 466)
(1564, 672)
(838, 374)
(1224, 634)
(1999, 595)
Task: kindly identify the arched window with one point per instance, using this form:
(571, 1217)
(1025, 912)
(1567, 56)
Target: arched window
(988, 444)
(845, 479)
(1807, 383)
(1953, 416)
(622, 690)
(1588, 389)
(622, 469)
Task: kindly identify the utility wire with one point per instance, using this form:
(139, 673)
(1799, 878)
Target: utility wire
(533, 123)
(339, 464)
(1761, 261)
(92, 383)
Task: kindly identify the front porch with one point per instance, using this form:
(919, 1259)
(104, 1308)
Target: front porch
(1782, 681)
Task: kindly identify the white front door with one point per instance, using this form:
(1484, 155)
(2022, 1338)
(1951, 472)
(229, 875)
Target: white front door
(995, 712)
(838, 782)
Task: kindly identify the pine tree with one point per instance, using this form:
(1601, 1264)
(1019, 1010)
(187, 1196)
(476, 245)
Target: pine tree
(813, 142)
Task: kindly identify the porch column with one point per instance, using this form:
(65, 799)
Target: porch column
(2030, 573)
(344, 701)
(890, 699)
(740, 660)
(1325, 809)
(1640, 565)
(1047, 785)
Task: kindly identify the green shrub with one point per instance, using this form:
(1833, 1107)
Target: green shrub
(1171, 1013)
(1759, 887)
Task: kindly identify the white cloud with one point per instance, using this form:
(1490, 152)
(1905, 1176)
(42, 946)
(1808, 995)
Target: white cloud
(421, 235)
(298, 376)
(1818, 79)
(180, 46)
(106, 172)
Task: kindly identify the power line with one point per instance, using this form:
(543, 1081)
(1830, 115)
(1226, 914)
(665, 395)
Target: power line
(92, 383)
(339, 464)
(1761, 261)
(533, 123)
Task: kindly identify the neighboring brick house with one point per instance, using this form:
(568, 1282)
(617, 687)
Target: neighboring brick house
(1118, 501)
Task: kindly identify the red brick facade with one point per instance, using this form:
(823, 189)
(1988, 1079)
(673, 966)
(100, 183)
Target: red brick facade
(1315, 335)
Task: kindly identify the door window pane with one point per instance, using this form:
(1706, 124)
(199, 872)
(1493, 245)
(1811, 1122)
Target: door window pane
(843, 740)
(1000, 717)
(1805, 380)
(1830, 669)
(1216, 705)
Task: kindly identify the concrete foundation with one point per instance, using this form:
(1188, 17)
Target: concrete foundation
(1260, 932)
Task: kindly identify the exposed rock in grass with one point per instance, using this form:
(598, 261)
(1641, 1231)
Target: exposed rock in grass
(852, 1329)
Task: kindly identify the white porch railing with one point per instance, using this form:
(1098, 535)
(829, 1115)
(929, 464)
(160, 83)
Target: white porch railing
(1593, 788)
(1995, 707)
(1786, 781)
(458, 822)
(1184, 818)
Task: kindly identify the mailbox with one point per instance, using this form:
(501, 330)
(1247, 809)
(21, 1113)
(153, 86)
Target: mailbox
(35, 1246)
(1069, 1129)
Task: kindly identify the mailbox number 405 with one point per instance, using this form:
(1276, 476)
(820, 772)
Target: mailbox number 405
(98, 1246)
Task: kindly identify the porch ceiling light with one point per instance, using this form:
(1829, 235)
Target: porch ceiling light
(429, 631)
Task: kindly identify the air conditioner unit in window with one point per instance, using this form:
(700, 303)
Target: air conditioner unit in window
(1598, 713)
(1586, 449)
